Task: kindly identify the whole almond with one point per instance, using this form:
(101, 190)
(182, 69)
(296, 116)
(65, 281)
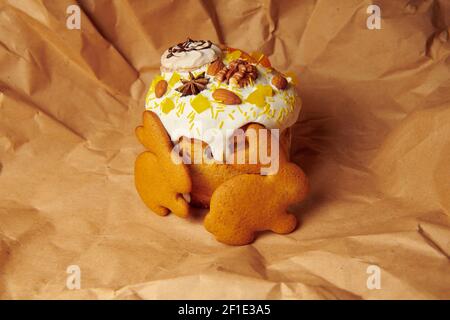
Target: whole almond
(160, 88)
(226, 96)
(215, 67)
(279, 82)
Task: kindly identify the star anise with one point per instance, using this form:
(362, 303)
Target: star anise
(194, 85)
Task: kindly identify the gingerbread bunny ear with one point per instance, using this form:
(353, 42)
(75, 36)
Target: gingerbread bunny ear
(160, 181)
(153, 135)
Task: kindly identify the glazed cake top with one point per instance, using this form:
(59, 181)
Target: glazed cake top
(194, 70)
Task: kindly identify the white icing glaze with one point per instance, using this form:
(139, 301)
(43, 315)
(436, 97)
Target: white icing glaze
(280, 111)
(188, 60)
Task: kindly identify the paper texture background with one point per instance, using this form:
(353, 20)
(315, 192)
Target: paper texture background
(373, 137)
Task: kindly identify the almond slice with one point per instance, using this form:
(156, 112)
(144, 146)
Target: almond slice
(226, 96)
(160, 88)
(215, 67)
(279, 82)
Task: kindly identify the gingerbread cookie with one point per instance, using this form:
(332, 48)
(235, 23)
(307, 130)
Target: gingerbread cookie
(248, 203)
(160, 181)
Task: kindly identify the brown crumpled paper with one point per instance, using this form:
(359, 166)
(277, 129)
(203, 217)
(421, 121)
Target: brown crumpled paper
(374, 138)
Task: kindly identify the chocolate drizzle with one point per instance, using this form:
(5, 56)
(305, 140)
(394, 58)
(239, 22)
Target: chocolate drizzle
(189, 45)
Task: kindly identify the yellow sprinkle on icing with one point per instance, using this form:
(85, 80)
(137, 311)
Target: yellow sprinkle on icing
(231, 116)
(180, 109)
(265, 90)
(230, 56)
(174, 79)
(221, 124)
(200, 103)
(167, 105)
(216, 115)
(282, 115)
(258, 96)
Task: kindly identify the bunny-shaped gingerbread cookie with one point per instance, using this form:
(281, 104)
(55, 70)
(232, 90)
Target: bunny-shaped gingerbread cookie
(242, 203)
(160, 181)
